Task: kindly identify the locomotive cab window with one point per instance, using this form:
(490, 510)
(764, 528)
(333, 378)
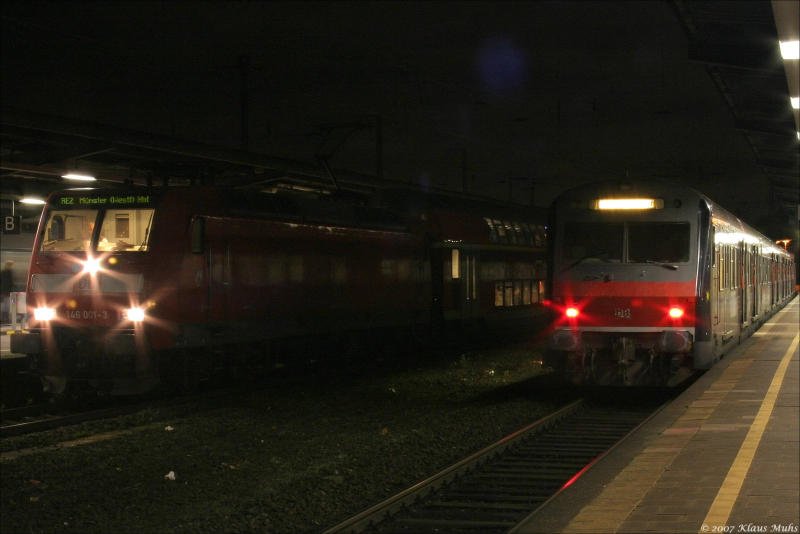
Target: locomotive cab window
(75, 230)
(125, 230)
(658, 242)
(630, 242)
(68, 230)
(593, 240)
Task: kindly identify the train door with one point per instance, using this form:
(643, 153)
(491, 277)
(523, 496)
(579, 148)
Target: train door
(728, 296)
(775, 279)
(743, 289)
(471, 306)
(219, 272)
(459, 285)
(747, 286)
(219, 293)
(755, 283)
(716, 289)
(773, 275)
(437, 286)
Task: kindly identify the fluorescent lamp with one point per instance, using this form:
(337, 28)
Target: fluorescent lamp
(795, 102)
(31, 200)
(78, 177)
(790, 49)
(628, 203)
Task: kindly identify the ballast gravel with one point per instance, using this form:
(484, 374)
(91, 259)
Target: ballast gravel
(299, 454)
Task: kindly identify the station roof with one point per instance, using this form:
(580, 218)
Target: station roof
(734, 40)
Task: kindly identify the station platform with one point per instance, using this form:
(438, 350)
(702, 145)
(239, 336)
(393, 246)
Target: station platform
(722, 457)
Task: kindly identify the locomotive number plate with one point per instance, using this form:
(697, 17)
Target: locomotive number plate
(622, 313)
(88, 314)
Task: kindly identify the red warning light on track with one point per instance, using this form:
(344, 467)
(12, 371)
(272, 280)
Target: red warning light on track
(572, 312)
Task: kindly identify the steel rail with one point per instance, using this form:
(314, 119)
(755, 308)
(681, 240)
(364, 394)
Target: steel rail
(384, 509)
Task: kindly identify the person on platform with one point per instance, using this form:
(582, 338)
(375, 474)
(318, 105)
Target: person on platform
(6, 287)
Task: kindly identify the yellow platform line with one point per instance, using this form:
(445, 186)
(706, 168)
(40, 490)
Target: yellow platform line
(728, 493)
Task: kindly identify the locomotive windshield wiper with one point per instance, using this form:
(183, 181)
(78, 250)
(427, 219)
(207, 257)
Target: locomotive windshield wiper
(664, 265)
(602, 257)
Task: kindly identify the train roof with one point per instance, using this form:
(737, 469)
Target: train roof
(390, 209)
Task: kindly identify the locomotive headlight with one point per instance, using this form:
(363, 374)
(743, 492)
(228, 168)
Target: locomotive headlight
(572, 312)
(135, 314)
(91, 265)
(44, 313)
(675, 312)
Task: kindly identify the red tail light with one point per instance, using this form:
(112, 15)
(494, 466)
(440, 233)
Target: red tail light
(675, 312)
(572, 312)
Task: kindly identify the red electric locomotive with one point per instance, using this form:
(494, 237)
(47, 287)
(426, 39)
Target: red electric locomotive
(652, 280)
(126, 287)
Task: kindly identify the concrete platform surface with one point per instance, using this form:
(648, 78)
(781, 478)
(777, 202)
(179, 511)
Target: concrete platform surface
(722, 458)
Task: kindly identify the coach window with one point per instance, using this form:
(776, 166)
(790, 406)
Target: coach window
(539, 236)
(404, 270)
(510, 293)
(729, 267)
(518, 234)
(296, 269)
(723, 267)
(492, 230)
(338, 270)
(732, 268)
(501, 231)
(389, 269)
(277, 269)
(511, 237)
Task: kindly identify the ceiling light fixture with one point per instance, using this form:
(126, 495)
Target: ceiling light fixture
(790, 49)
(79, 177)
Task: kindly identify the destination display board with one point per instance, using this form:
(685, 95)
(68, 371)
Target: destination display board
(94, 199)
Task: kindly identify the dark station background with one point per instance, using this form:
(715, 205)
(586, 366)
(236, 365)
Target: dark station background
(515, 101)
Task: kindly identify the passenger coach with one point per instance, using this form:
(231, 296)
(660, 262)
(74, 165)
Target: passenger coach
(652, 280)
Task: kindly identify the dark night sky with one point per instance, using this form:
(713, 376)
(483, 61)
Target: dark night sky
(561, 92)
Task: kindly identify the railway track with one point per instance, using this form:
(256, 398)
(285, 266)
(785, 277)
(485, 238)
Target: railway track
(47, 416)
(495, 488)
(37, 418)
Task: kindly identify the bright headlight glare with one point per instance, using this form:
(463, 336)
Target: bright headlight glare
(91, 266)
(44, 314)
(135, 314)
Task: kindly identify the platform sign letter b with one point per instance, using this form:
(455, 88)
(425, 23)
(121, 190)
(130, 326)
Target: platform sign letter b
(11, 224)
